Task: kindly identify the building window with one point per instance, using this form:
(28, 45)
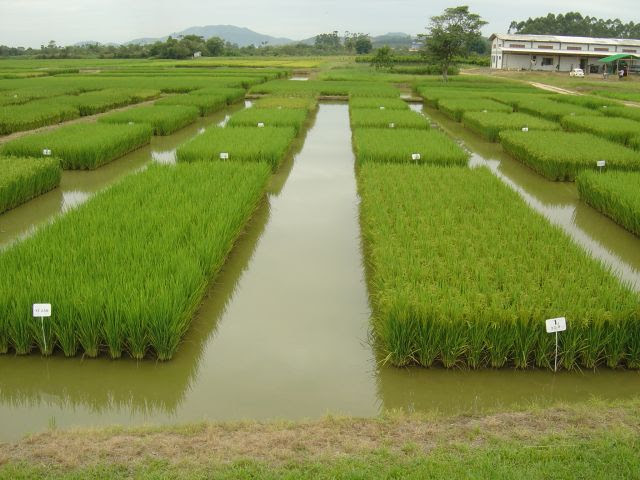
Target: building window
(629, 50)
(517, 45)
(546, 47)
(547, 61)
(574, 48)
(600, 49)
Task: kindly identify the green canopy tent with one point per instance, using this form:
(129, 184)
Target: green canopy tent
(619, 56)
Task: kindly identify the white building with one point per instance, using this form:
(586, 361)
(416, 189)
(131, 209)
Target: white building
(555, 53)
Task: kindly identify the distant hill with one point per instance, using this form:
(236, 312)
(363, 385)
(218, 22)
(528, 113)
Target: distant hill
(241, 36)
(93, 42)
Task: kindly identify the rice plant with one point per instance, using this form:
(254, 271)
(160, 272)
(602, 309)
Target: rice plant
(379, 103)
(632, 113)
(308, 103)
(270, 117)
(100, 101)
(514, 99)
(231, 95)
(616, 129)
(206, 104)
(376, 118)
(562, 155)
(240, 144)
(615, 194)
(432, 96)
(163, 119)
(21, 179)
(587, 101)
(490, 124)
(407, 146)
(456, 107)
(123, 272)
(463, 273)
(84, 146)
(551, 110)
(316, 87)
(622, 95)
(17, 118)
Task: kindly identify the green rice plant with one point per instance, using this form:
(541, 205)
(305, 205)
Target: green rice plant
(432, 96)
(270, 117)
(308, 103)
(376, 118)
(206, 104)
(163, 119)
(560, 156)
(615, 194)
(399, 146)
(456, 107)
(26, 94)
(622, 95)
(242, 144)
(379, 103)
(490, 124)
(83, 146)
(231, 95)
(632, 113)
(458, 263)
(123, 271)
(316, 87)
(100, 101)
(514, 99)
(17, 118)
(551, 110)
(588, 101)
(21, 179)
(616, 129)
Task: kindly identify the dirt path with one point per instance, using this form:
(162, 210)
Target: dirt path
(87, 119)
(551, 88)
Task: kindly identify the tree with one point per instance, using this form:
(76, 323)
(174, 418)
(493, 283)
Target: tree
(215, 46)
(359, 43)
(574, 24)
(383, 58)
(451, 35)
(328, 41)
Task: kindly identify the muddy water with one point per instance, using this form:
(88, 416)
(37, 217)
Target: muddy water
(283, 331)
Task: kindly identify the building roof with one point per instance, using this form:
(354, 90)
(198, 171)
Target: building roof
(564, 39)
(619, 56)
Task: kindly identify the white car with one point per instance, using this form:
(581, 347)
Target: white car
(576, 72)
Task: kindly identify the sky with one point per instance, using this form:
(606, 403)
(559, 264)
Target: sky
(31, 23)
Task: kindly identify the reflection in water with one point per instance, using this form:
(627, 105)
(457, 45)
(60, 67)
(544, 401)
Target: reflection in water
(72, 199)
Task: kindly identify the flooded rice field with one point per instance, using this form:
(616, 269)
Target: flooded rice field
(284, 330)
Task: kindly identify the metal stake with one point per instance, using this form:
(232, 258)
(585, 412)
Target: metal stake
(555, 362)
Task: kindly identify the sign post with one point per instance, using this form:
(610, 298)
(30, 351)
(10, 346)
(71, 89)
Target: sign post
(555, 325)
(601, 164)
(41, 310)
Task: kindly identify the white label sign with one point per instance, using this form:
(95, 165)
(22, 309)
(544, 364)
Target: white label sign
(41, 309)
(46, 152)
(381, 108)
(260, 124)
(525, 129)
(392, 125)
(601, 163)
(224, 156)
(555, 325)
(415, 156)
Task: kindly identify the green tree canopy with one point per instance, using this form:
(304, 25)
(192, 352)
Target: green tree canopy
(451, 35)
(574, 24)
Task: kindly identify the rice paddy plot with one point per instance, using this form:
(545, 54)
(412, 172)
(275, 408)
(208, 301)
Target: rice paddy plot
(231, 95)
(514, 99)
(379, 103)
(239, 144)
(22, 179)
(456, 107)
(270, 117)
(407, 146)
(26, 94)
(100, 101)
(163, 119)
(616, 129)
(316, 87)
(308, 103)
(632, 113)
(615, 194)
(84, 146)
(622, 95)
(206, 104)
(123, 272)
(560, 155)
(432, 96)
(376, 118)
(587, 101)
(490, 124)
(552, 110)
(36, 114)
(463, 273)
